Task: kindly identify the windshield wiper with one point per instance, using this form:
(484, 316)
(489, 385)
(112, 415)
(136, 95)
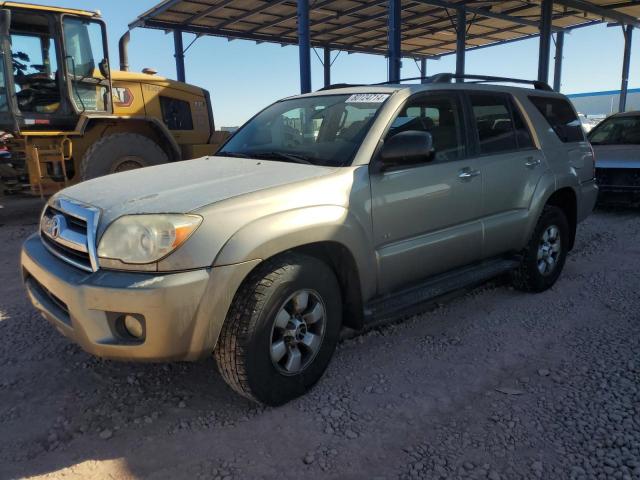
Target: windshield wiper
(289, 157)
(232, 154)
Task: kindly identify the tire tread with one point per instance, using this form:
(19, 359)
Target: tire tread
(231, 352)
(116, 139)
(522, 277)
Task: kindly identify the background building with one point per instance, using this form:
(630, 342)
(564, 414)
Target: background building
(604, 103)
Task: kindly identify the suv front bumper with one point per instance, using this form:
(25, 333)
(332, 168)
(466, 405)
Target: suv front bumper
(181, 312)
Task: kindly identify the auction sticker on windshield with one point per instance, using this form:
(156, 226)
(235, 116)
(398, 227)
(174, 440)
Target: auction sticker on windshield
(367, 98)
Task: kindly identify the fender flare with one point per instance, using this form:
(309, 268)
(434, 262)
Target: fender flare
(156, 125)
(274, 234)
(548, 184)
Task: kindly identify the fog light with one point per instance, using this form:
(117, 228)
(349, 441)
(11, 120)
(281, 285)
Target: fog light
(133, 326)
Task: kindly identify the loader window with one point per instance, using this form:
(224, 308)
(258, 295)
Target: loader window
(35, 70)
(86, 63)
(176, 114)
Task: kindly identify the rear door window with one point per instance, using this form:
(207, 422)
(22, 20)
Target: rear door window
(499, 124)
(561, 116)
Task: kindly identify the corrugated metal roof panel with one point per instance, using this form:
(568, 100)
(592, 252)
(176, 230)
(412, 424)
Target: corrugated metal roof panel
(361, 26)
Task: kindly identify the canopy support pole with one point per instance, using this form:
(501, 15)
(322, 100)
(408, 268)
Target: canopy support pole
(423, 69)
(557, 71)
(626, 63)
(327, 66)
(546, 19)
(304, 46)
(179, 54)
(461, 40)
(395, 40)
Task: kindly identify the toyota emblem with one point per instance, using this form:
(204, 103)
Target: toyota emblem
(56, 226)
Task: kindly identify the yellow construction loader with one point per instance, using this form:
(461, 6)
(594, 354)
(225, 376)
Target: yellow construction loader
(68, 117)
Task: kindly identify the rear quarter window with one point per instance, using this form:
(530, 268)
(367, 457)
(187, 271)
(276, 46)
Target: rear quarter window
(561, 116)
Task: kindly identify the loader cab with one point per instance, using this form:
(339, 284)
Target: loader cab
(55, 69)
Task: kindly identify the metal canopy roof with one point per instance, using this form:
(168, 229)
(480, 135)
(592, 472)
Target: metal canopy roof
(428, 26)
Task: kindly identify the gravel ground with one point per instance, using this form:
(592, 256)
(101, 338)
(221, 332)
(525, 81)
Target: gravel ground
(492, 384)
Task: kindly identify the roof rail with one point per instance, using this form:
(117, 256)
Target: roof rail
(393, 82)
(449, 77)
(333, 86)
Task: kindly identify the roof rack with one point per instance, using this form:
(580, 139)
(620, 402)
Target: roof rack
(333, 86)
(449, 77)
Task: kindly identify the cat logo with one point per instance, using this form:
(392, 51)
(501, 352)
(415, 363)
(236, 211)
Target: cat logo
(122, 97)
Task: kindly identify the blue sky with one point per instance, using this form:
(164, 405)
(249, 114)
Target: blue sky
(244, 77)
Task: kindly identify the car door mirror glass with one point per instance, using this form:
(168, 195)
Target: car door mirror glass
(412, 146)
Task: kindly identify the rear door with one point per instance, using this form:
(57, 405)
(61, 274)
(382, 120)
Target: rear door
(563, 119)
(511, 167)
(426, 216)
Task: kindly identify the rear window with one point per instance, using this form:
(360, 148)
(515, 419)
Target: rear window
(561, 116)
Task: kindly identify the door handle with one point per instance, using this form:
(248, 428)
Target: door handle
(467, 174)
(532, 162)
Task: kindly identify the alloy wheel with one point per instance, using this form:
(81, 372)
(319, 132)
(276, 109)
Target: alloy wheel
(297, 332)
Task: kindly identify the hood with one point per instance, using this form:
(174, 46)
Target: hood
(182, 187)
(617, 156)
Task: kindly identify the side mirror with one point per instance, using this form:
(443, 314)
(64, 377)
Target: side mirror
(5, 22)
(104, 68)
(412, 146)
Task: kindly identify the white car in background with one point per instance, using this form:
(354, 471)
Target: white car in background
(587, 123)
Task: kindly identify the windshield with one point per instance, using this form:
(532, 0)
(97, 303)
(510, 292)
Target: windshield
(617, 131)
(323, 130)
(34, 61)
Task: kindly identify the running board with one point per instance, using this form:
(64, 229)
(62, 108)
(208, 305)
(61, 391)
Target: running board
(409, 300)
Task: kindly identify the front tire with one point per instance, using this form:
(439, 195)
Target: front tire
(545, 255)
(120, 152)
(281, 330)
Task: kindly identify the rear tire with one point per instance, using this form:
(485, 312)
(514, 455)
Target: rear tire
(289, 303)
(545, 255)
(120, 152)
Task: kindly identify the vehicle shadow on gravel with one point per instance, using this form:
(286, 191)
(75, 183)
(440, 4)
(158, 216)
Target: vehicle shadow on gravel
(60, 406)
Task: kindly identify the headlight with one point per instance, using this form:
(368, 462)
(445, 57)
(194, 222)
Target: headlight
(144, 239)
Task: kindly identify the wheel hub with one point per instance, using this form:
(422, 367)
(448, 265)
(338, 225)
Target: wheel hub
(549, 250)
(298, 332)
(295, 331)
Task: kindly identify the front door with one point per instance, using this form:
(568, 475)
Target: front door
(426, 216)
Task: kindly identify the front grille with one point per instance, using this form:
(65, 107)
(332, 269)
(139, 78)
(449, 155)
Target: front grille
(67, 253)
(67, 230)
(618, 177)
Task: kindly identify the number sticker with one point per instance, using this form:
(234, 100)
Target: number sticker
(367, 98)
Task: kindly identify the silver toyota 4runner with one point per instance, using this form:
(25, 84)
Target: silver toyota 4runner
(344, 207)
